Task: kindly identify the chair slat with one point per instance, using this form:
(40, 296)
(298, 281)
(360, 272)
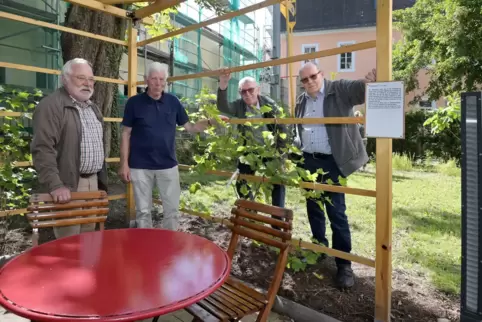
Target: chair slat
(261, 228)
(268, 209)
(70, 205)
(213, 310)
(71, 213)
(82, 195)
(257, 236)
(228, 303)
(68, 222)
(221, 307)
(233, 290)
(261, 218)
(239, 299)
(203, 314)
(239, 285)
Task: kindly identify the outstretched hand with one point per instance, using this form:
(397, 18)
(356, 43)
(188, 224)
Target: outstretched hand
(224, 78)
(371, 76)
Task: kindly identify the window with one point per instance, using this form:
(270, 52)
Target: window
(346, 61)
(306, 49)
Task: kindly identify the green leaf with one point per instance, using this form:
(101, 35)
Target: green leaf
(265, 109)
(318, 276)
(194, 187)
(283, 136)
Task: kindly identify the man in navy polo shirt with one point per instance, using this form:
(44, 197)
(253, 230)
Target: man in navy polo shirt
(148, 150)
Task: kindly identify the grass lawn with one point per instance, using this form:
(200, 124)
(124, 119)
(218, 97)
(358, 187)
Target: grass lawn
(426, 219)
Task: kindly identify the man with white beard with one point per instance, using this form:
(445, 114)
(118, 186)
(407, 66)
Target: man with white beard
(67, 146)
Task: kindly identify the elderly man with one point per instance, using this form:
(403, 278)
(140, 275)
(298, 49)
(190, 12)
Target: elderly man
(67, 146)
(337, 149)
(148, 150)
(251, 102)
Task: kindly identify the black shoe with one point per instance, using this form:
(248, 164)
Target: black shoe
(345, 277)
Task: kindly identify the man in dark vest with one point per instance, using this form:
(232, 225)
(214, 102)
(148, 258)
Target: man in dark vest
(250, 104)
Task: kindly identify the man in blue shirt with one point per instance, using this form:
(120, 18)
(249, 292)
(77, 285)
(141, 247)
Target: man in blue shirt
(148, 149)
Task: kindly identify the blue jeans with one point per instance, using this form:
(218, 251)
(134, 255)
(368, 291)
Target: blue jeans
(277, 195)
(336, 209)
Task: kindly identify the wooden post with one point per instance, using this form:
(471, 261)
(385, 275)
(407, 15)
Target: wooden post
(383, 260)
(289, 52)
(132, 90)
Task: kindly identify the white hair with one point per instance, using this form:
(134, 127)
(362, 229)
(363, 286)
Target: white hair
(245, 80)
(67, 68)
(157, 67)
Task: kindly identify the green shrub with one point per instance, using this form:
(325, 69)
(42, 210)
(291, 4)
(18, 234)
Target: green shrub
(402, 162)
(16, 183)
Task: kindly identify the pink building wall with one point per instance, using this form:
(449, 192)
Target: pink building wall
(364, 60)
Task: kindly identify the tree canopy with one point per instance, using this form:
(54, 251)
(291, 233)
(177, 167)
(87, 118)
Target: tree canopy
(442, 37)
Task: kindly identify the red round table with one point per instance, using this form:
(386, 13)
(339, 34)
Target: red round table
(112, 275)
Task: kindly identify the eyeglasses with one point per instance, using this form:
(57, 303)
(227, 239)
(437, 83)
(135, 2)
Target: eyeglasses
(83, 79)
(248, 90)
(312, 77)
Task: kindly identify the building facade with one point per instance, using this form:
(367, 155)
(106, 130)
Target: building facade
(325, 24)
(229, 43)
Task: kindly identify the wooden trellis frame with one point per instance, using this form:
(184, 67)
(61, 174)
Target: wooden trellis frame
(383, 193)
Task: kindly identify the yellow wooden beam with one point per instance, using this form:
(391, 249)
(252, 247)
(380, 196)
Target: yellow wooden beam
(289, 50)
(57, 72)
(157, 6)
(383, 260)
(314, 120)
(99, 6)
(281, 61)
(61, 28)
(132, 90)
(199, 25)
(112, 2)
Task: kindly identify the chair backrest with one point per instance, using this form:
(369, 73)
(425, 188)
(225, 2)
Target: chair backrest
(83, 208)
(250, 219)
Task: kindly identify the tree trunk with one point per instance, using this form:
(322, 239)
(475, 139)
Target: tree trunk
(105, 57)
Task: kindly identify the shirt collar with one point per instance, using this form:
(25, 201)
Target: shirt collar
(81, 104)
(161, 99)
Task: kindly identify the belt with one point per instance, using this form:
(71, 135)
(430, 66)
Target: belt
(87, 175)
(317, 155)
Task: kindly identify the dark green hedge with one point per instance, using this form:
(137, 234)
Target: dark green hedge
(420, 143)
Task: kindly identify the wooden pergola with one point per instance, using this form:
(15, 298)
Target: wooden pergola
(383, 44)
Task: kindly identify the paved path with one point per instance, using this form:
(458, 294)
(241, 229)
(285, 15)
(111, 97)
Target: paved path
(180, 316)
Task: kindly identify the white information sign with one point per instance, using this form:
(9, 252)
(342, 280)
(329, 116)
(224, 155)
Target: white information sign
(384, 112)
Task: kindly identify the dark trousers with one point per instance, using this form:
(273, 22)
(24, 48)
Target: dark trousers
(277, 195)
(335, 210)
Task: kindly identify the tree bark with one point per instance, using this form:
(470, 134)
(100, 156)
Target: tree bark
(104, 57)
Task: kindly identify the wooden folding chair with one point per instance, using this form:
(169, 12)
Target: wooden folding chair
(83, 208)
(235, 300)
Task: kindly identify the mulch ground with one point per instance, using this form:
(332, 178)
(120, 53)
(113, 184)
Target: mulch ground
(413, 299)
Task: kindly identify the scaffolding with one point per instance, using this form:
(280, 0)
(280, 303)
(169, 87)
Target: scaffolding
(237, 43)
(49, 52)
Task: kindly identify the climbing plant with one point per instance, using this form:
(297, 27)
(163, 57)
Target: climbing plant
(16, 183)
(275, 159)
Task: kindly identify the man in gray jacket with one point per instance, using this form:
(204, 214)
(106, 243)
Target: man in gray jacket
(250, 104)
(336, 148)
